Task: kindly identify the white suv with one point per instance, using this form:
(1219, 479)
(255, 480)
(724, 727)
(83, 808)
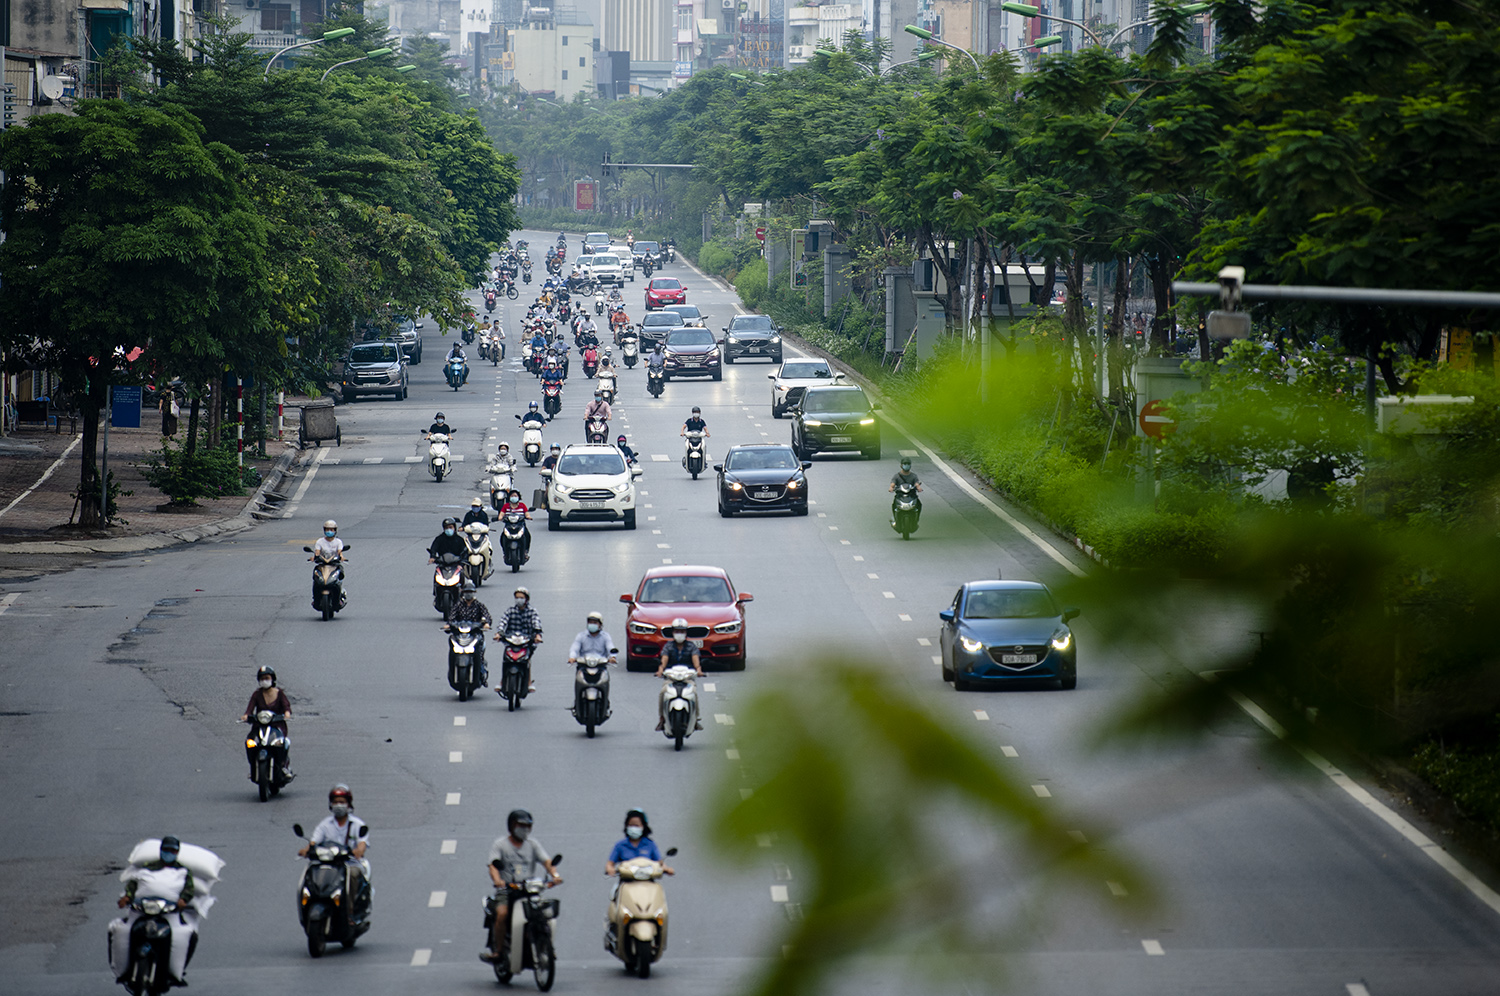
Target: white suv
(591, 483)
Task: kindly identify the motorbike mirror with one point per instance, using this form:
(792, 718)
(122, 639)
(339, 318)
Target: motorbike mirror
(297, 829)
(556, 860)
(347, 547)
(307, 549)
(671, 852)
(614, 650)
(364, 830)
(627, 599)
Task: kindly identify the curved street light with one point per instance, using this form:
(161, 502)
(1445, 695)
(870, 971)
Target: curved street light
(926, 35)
(742, 76)
(349, 62)
(1028, 11)
(328, 36)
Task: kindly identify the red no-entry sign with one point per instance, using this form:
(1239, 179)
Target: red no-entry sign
(760, 233)
(1154, 420)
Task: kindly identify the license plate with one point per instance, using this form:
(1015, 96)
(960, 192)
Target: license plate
(591, 504)
(765, 494)
(1018, 658)
(841, 439)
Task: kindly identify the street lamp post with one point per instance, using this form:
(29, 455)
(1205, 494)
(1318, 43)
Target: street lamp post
(1029, 11)
(926, 35)
(349, 62)
(924, 57)
(328, 36)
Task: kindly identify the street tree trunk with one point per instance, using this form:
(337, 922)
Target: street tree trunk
(1159, 268)
(1117, 329)
(89, 513)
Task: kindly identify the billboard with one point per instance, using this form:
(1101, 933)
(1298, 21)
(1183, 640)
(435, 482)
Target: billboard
(585, 195)
(682, 70)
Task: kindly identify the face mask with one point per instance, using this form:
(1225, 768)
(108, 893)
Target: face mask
(679, 637)
(521, 602)
(329, 533)
(340, 810)
(634, 833)
(521, 832)
(447, 532)
(169, 857)
(593, 627)
(265, 682)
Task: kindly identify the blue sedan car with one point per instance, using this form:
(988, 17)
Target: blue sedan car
(1007, 632)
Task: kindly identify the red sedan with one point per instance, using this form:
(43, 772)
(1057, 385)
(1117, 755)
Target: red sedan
(705, 597)
(662, 291)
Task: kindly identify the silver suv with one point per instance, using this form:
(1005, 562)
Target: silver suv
(409, 334)
(374, 368)
(591, 482)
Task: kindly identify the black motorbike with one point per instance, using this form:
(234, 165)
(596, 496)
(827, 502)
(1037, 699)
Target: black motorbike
(446, 582)
(327, 914)
(149, 972)
(515, 679)
(655, 381)
(513, 540)
(265, 749)
(465, 644)
(591, 692)
(328, 583)
(906, 510)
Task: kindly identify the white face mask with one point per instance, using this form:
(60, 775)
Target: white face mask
(679, 637)
(521, 602)
(634, 833)
(266, 682)
(593, 627)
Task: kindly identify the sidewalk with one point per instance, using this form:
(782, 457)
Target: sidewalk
(39, 522)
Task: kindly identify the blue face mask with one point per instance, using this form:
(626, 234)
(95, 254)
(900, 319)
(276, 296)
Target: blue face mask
(329, 533)
(447, 532)
(593, 627)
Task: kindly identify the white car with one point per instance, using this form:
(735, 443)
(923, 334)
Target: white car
(591, 483)
(595, 242)
(795, 377)
(608, 270)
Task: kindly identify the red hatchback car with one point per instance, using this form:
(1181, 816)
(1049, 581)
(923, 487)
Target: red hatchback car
(705, 597)
(662, 291)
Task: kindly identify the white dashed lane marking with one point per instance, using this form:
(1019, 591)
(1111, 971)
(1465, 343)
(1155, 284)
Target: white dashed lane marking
(455, 757)
(724, 718)
(449, 847)
(981, 715)
(415, 459)
(1077, 836)
(660, 458)
(732, 754)
(1117, 890)
(374, 459)
(888, 594)
(1356, 989)
(922, 641)
(1153, 947)
(1009, 751)
(1042, 791)
(421, 957)
(451, 799)
(460, 721)
(709, 686)
(779, 894)
(904, 617)
(437, 900)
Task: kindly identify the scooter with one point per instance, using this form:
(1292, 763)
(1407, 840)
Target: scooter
(695, 457)
(526, 271)
(437, 456)
(489, 302)
(906, 510)
(551, 398)
(655, 381)
(529, 940)
(447, 580)
(598, 430)
(607, 387)
(497, 345)
(681, 705)
(531, 444)
(326, 913)
(481, 553)
(636, 924)
(630, 349)
(265, 749)
(515, 677)
(528, 356)
(590, 361)
(464, 675)
(599, 302)
(148, 971)
(457, 372)
(591, 692)
(513, 540)
(328, 594)
(500, 481)
(468, 334)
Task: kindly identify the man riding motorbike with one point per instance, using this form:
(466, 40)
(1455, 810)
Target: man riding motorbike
(183, 921)
(514, 858)
(521, 620)
(440, 424)
(330, 547)
(680, 650)
(476, 513)
(470, 609)
(513, 503)
(593, 640)
(598, 408)
(447, 541)
(626, 451)
(695, 423)
(533, 417)
(342, 827)
(549, 462)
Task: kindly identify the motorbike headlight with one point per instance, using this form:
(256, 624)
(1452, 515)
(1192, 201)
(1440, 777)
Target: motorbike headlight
(153, 907)
(867, 421)
(971, 645)
(812, 422)
(642, 629)
(728, 627)
(1062, 640)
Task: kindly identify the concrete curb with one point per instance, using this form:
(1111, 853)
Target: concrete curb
(156, 541)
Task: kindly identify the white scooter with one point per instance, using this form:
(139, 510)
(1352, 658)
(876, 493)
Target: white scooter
(438, 462)
(531, 929)
(680, 703)
(695, 455)
(636, 930)
(606, 387)
(531, 444)
(501, 475)
(481, 552)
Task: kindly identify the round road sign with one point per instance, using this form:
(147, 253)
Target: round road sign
(1154, 420)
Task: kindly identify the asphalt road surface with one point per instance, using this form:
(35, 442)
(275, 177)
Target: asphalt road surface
(122, 683)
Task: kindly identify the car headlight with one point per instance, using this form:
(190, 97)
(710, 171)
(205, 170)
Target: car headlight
(562, 489)
(642, 629)
(1062, 641)
(811, 421)
(712, 353)
(775, 339)
(728, 627)
(621, 489)
(867, 421)
(736, 486)
(972, 646)
(793, 485)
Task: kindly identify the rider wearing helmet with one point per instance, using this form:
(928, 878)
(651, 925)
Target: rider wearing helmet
(476, 512)
(629, 454)
(342, 827)
(514, 859)
(533, 417)
(448, 541)
(695, 423)
(598, 408)
(905, 476)
(553, 453)
(521, 620)
(268, 696)
(440, 424)
(329, 545)
(637, 844)
(679, 650)
(593, 640)
(470, 609)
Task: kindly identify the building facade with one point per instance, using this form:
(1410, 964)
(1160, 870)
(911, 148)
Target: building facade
(553, 55)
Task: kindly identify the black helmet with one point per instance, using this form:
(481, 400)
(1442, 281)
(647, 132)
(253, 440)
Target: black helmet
(645, 823)
(697, 410)
(438, 417)
(266, 671)
(170, 845)
(906, 463)
(517, 816)
(450, 521)
(468, 587)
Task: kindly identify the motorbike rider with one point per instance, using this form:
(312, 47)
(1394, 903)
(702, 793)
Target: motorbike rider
(552, 375)
(503, 460)
(448, 541)
(476, 513)
(470, 609)
(549, 462)
(905, 476)
(598, 408)
(330, 547)
(625, 450)
(342, 827)
(513, 859)
(593, 640)
(513, 503)
(184, 920)
(521, 619)
(268, 696)
(680, 650)
(606, 366)
(637, 844)
(658, 358)
(533, 417)
(695, 423)
(439, 424)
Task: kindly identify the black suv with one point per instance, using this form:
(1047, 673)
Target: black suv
(835, 418)
(639, 251)
(752, 335)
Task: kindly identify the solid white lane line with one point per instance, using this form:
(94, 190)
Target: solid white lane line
(421, 957)
(45, 474)
(451, 799)
(981, 715)
(922, 641)
(1042, 791)
(307, 479)
(1009, 751)
(455, 757)
(437, 900)
(973, 492)
(1117, 890)
(1153, 947)
(8, 601)
(449, 847)
(732, 754)
(460, 721)
(779, 894)
(1389, 817)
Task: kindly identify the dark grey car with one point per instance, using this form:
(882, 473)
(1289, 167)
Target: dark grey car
(752, 336)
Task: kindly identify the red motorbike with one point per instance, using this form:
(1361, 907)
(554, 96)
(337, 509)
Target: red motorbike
(590, 361)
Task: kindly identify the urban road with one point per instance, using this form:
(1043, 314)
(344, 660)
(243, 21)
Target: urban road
(122, 683)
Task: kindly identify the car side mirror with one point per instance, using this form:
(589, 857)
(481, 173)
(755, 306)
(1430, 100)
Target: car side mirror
(770, 376)
(1071, 612)
(874, 408)
(946, 615)
(724, 328)
(627, 599)
(806, 464)
(545, 472)
(636, 471)
(745, 597)
(718, 468)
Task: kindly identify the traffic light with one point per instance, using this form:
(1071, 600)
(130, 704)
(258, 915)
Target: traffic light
(9, 98)
(605, 166)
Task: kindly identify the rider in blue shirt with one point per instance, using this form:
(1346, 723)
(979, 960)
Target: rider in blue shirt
(637, 844)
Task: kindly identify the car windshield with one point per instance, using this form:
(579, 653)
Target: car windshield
(646, 247)
(591, 463)
(1014, 603)
(686, 310)
(685, 589)
(666, 283)
(670, 318)
(804, 371)
(585, 261)
(606, 260)
(852, 400)
(691, 337)
(754, 323)
(596, 237)
(767, 459)
(373, 354)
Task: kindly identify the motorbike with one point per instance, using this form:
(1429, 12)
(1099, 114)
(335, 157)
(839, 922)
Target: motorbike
(468, 334)
(484, 345)
(671, 251)
(607, 387)
(531, 443)
(906, 510)
(457, 372)
(528, 356)
(328, 595)
(655, 381)
(598, 430)
(526, 271)
(325, 912)
(636, 924)
(630, 349)
(464, 644)
(447, 579)
(481, 553)
(500, 481)
(551, 397)
(510, 289)
(148, 970)
(438, 462)
(591, 692)
(265, 748)
(529, 940)
(515, 675)
(513, 540)
(590, 361)
(647, 264)
(497, 345)
(696, 456)
(681, 711)
(489, 301)
(599, 302)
